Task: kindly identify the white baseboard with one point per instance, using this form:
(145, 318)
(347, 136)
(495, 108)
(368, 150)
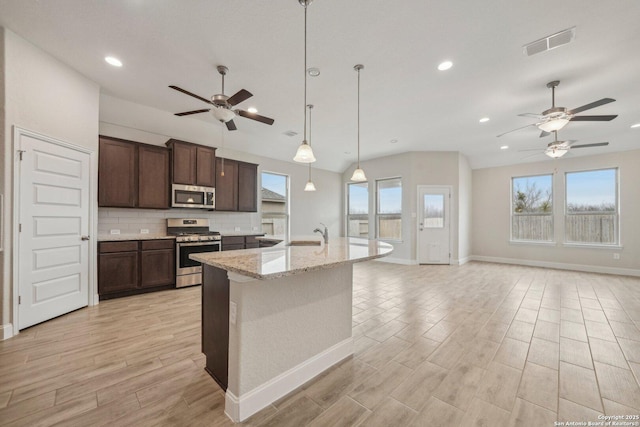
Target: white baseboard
(559, 265)
(6, 331)
(461, 261)
(242, 407)
(398, 261)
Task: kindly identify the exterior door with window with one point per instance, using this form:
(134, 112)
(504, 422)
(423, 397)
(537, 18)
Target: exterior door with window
(434, 225)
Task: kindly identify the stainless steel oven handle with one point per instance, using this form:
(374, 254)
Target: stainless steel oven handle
(210, 242)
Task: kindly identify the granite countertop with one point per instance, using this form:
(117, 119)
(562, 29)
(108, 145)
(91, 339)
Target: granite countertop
(241, 233)
(123, 237)
(280, 260)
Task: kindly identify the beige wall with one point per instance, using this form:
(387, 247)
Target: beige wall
(41, 94)
(465, 202)
(491, 215)
(420, 168)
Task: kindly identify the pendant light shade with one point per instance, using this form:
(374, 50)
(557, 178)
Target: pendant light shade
(358, 174)
(310, 185)
(305, 153)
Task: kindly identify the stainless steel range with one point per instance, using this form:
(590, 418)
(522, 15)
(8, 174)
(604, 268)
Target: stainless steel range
(192, 236)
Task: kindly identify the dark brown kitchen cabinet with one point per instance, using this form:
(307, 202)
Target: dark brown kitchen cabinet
(153, 177)
(237, 190)
(232, 243)
(226, 185)
(192, 164)
(247, 187)
(133, 267)
(132, 175)
(117, 173)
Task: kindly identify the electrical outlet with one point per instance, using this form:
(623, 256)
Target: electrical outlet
(114, 231)
(616, 256)
(236, 228)
(254, 228)
(233, 312)
(144, 231)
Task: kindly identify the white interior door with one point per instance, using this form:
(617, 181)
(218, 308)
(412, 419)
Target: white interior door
(53, 216)
(434, 225)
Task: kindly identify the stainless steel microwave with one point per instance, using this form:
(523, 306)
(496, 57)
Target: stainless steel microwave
(192, 196)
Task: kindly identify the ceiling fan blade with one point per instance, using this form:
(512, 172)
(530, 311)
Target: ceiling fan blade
(535, 116)
(597, 144)
(544, 133)
(593, 118)
(238, 97)
(253, 116)
(532, 155)
(591, 105)
(231, 125)
(186, 92)
(532, 149)
(187, 113)
(532, 124)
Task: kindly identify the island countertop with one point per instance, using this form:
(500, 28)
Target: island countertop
(281, 260)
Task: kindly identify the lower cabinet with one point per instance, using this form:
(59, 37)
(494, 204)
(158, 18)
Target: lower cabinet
(131, 267)
(230, 243)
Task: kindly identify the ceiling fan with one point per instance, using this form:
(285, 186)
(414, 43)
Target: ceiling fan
(557, 149)
(222, 105)
(555, 118)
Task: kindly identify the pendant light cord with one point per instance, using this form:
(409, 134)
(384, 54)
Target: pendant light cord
(310, 108)
(305, 72)
(222, 138)
(358, 69)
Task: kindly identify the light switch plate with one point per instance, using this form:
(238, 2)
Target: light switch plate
(114, 231)
(236, 228)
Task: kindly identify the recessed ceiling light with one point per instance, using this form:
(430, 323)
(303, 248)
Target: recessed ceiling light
(504, 147)
(113, 61)
(313, 71)
(445, 65)
(394, 141)
(484, 120)
(637, 125)
(252, 110)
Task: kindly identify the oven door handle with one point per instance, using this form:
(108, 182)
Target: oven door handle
(209, 243)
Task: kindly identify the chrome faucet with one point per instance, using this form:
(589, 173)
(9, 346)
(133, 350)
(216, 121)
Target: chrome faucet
(325, 233)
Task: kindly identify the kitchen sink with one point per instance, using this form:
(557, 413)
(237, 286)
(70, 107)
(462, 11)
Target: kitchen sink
(305, 243)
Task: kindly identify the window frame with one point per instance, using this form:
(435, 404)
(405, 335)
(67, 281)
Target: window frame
(360, 216)
(287, 213)
(378, 215)
(617, 243)
(513, 214)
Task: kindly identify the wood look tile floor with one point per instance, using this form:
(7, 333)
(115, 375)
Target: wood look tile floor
(476, 345)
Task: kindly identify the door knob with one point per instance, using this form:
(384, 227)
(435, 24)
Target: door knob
(85, 237)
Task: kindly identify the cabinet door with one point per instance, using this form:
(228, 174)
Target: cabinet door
(153, 177)
(205, 166)
(157, 268)
(247, 187)
(117, 173)
(184, 163)
(227, 185)
(117, 271)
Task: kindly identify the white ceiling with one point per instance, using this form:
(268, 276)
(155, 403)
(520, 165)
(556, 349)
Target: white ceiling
(404, 96)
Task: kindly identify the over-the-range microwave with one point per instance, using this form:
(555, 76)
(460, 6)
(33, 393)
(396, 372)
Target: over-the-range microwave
(192, 196)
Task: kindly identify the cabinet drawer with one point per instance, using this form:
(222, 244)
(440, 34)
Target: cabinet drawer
(252, 245)
(148, 245)
(251, 239)
(232, 240)
(128, 246)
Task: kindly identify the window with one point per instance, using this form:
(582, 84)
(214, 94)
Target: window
(591, 214)
(433, 205)
(389, 209)
(358, 209)
(275, 203)
(532, 208)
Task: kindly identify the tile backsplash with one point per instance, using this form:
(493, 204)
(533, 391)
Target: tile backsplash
(131, 221)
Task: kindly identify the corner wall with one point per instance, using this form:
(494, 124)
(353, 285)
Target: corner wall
(41, 94)
(492, 207)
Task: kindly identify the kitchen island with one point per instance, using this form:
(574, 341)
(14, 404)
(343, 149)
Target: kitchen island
(273, 318)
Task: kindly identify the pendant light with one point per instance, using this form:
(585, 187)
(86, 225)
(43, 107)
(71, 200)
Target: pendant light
(304, 153)
(222, 139)
(358, 174)
(310, 185)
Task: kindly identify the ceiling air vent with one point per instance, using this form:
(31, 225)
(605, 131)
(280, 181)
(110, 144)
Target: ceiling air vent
(550, 42)
(291, 133)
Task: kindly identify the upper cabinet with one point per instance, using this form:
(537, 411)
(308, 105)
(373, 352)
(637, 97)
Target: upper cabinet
(132, 175)
(237, 190)
(192, 164)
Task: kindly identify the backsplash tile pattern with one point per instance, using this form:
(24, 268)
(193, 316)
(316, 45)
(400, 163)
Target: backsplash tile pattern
(131, 221)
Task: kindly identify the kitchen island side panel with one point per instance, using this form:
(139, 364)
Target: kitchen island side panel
(215, 323)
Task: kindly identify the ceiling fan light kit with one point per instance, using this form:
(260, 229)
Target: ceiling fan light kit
(557, 151)
(553, 125)
(304, 154)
